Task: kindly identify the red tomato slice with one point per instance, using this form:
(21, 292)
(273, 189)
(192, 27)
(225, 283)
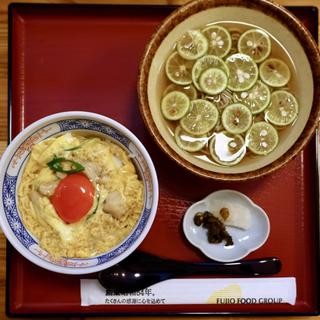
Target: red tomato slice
(73, 197)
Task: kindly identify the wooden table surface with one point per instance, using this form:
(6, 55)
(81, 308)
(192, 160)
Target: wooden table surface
(3, 118)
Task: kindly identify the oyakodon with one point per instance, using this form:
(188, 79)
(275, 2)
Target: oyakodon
(79, 195)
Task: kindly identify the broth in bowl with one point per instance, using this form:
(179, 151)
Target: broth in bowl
(230, 93)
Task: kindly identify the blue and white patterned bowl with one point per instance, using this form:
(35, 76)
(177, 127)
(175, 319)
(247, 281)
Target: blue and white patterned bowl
(11, 168)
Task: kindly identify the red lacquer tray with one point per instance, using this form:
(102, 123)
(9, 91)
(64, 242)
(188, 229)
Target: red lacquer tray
(83, 57)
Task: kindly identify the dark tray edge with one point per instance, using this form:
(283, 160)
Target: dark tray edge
(9, 248)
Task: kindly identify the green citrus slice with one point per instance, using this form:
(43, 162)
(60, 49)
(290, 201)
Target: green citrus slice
(175, 105)
(188, 142)
(192, 45)
(189, 90)
(213, 81)
(202, 117)
(256, 99)
(274, 72)
(256, 44)
(178, 70)
(262, 138)
(204, 63)
(243, 72)
(236, 118)
(227, 149)
(219, 40)
(283, 108)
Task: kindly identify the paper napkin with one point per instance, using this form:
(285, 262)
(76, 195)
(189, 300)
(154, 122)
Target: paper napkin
(197, 291)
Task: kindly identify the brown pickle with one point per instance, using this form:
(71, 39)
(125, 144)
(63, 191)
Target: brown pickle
(224, 213)
(216, 229)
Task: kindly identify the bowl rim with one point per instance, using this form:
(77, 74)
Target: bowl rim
(284, 17)
(69, 115)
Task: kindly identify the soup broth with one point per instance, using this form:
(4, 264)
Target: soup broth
(226, 144)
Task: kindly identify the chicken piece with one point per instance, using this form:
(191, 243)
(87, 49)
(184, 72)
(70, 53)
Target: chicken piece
(47, 188)
(114, 204)
(92, 170)
(117, 162)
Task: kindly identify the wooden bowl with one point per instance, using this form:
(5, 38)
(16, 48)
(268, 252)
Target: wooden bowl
(301, 54)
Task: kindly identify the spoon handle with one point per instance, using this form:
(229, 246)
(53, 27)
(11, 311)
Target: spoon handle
(255, 267)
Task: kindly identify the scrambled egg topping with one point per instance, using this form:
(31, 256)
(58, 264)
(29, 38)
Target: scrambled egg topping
(118, 198)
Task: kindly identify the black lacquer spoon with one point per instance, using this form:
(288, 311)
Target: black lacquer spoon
(141, 270)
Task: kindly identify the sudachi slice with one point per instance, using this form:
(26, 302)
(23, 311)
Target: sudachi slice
(175, 105)
(189, 90)
(202, 117)
(178, 70)
(274, 72)
(262, 138)
(226, 148)
(255, 43)
(243, 72)
(219, 40)
(236, 118)
(213, 81)
(204, 63)
(283, 108)
(192, 45)
(256, 99)
(189, 142)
